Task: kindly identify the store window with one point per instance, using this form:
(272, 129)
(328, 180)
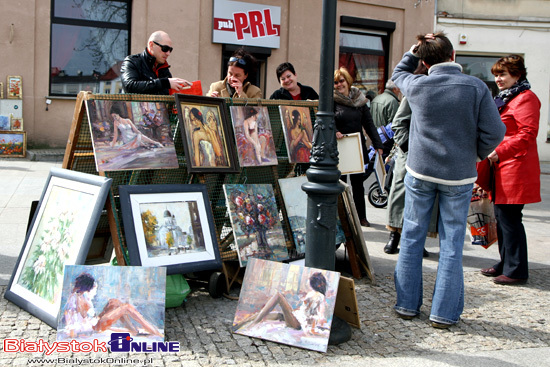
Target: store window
(89, 40)
(363, 50)
(480, 66)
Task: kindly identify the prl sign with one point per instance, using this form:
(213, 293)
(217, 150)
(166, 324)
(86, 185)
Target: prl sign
(247, 24)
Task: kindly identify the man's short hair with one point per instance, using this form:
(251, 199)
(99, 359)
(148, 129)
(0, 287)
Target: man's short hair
(284, 67)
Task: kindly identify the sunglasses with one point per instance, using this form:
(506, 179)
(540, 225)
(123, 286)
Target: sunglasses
(164, 48)
(238, 60)
(336, 82)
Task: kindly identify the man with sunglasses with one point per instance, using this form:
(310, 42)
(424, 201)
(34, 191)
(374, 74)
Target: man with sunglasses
(148, 72)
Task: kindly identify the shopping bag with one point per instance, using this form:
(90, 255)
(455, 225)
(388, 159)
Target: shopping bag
(481, 219)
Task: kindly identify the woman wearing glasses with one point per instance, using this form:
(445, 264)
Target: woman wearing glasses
(235, 84)
(352, 115)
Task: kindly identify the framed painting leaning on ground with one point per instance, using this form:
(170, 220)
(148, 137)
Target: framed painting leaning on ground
(61, 232)
(13, 144)
(207, 134)
(171, 226)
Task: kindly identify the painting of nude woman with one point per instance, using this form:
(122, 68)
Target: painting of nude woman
(205, 133)
(131, 135)
(99, 300)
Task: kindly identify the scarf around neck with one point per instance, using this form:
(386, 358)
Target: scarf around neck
(355, 98)
(506, 95)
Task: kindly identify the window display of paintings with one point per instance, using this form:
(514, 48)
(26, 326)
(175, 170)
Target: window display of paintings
(131, 135)
(60, 234)
(207, 135)
(14, 87)
(296, 209)
(118, 299)
(255, 221)
(170, 226)
(298, 130)
(253, 135)
(13, 144)
(287, 304)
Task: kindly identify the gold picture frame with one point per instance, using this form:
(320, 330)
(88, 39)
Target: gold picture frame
(14, 87)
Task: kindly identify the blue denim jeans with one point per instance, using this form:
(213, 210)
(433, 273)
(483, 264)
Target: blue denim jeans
(448, 295)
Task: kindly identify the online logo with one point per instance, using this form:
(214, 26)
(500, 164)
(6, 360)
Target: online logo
(123, 342)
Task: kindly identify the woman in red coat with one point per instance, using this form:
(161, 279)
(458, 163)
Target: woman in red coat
(517, 168)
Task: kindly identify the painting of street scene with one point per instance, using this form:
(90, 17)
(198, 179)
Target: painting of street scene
(255, 221)
(172, 228)
(131, 135)
(288, 304)
(296, 209)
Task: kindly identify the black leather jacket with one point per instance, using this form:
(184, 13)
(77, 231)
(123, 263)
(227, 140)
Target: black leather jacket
(139, 77)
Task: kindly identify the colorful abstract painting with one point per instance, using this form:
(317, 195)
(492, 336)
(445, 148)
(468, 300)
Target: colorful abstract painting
(255, 221)
(296, 209)
(131, 135)
(99, 300)
(298, 132)
(254, 137)
(288, 304)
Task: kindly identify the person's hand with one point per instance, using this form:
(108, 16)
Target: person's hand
(493, 157)
(178, 84)
(339, 135)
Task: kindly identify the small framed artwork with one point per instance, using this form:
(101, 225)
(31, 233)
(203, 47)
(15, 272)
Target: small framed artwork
(5, 124)
(207, 135)
(131, 135)
(350, 154)
(14, 87)
(60, 234)
(298, 132)
(170, 226)
(16, 123)
(253, 135)
(13, 144)
(286, 303)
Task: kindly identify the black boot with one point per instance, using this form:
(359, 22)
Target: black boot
(393, 242)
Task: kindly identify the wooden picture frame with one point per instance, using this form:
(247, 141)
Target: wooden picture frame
(14, 87)
(60, 234)
(13, 144)
(206, 133)
(16, 123)
(171, 226)
(350, 154)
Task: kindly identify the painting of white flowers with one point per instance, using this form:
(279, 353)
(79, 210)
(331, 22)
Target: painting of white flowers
(60, 234)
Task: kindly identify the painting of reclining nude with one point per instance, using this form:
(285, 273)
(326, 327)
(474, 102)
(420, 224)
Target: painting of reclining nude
(169, 225)
(288, 304)
(131, 135)
(255, 221)
(97, 301)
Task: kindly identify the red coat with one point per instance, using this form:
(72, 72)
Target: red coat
(517, 174)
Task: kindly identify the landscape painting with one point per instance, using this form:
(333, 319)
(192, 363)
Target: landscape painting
(116, 299)
(298, 133)
(254, 137)
(288, 304)
(131, 135)
(296, 209)
(255, 221)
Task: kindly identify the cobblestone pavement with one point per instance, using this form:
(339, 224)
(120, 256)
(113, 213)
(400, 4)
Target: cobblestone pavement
(495, 318)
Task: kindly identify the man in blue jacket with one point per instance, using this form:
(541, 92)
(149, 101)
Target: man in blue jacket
(454, 123)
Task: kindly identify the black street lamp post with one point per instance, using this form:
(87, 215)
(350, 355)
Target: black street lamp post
(323, 186)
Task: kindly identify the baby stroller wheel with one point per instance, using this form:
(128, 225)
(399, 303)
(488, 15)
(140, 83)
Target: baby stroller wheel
(377, 197)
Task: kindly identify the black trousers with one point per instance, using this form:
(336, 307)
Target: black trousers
(512, 241)
(358, 192)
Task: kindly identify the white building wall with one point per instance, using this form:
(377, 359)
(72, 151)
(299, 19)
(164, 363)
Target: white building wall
(499, 38)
